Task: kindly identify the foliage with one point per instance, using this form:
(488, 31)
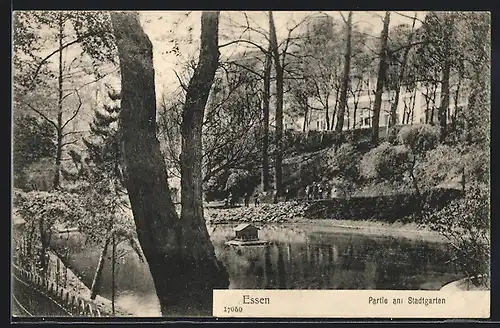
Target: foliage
(44, 211)
(344, 163)
(231, 129)
(104, 195)
(240, 182)
(440, 165)
(451, 164)
(35, 30)
(419, 138)
(386, 162)
(39, 176)
(53, 207)
(465, 222)
(103, 149)
(385, 208)
(33, 141)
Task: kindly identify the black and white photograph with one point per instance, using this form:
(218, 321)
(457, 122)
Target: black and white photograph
(158, 156)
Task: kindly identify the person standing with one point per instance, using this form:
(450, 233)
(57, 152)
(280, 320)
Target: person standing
(247, 198)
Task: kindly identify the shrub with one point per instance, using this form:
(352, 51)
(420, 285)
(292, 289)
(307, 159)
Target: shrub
(419, 138)
(241, 181)
(386, 162)
(39, 175)
(465, 222)
(345, 162)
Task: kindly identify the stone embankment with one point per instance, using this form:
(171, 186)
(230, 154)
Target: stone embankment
(265, 213)
(384, 208)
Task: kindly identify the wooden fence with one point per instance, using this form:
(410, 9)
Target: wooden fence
(50, 297)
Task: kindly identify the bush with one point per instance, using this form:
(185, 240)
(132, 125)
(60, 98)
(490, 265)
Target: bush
(39, 175)
(440, 165)
(241, 181)
(465, 222)
(419, 138)
(386, 162)
(345, 162)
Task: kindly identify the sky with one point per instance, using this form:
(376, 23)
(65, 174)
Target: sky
(168, 28)
(184, 27)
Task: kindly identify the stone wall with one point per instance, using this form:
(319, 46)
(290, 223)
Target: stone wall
(381, 208)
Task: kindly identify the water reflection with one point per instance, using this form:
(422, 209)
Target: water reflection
(297, 258)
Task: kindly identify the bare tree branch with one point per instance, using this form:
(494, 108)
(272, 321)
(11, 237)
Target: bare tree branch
(39, 113)
(64, 46)
(244, 41)
(80, 103)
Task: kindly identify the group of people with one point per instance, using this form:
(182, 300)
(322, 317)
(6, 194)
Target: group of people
(319, 190)
(314, 191)
(231, 199)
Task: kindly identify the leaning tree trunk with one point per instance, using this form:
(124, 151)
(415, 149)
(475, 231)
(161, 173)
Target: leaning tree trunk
(203, 271)
(382, 68)
(181, 258)
(96, 282)
(345, 76)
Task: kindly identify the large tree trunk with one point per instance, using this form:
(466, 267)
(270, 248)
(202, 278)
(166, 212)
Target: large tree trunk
(401, 76)
(345, 76)
(335, 107)
(265, 123)
(382, 68)
(279, 108)
(57, 173)
(202, 271)
(306, 114)
(445, 101)
(394, 106)
(445, 81)
(180, 255)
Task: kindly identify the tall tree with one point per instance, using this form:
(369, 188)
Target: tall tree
(381, 78)
(58, 104)
(279, 70)
(278, 52)
(345, 75)
(445, 78)
(266, 95)
(181, 257)
(402, 72)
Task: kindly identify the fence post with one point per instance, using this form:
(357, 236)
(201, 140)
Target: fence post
(82, 308)
(89, 311)
(65, 276)
(58, 268)
(74, 305)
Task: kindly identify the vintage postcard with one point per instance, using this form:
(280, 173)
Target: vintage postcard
(280, 164)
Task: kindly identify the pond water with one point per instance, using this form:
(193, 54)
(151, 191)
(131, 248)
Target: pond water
(299, 257)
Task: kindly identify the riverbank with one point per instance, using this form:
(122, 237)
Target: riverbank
(374, 228)
(294, 213)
